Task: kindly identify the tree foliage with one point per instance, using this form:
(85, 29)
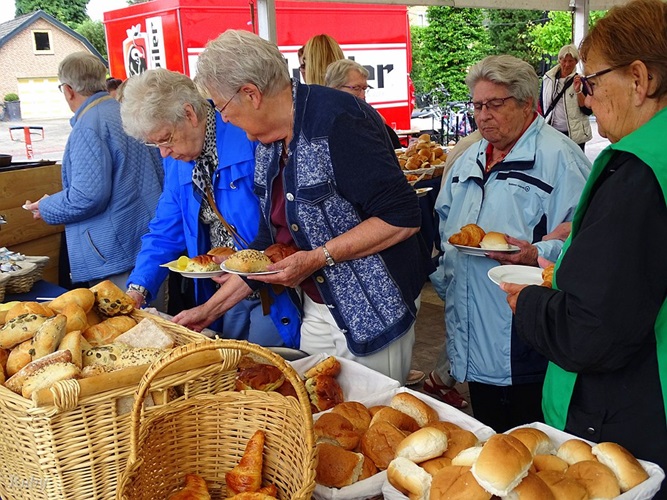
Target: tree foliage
(69, 12)
(509, 33)
(548, 38)
(94, 32)
(454, 40)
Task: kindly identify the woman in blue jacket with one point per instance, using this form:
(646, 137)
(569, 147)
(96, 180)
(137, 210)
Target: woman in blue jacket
(201, 154)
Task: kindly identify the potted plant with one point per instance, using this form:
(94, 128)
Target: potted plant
(12, 107)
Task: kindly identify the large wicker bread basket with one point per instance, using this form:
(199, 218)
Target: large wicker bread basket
(207, 434)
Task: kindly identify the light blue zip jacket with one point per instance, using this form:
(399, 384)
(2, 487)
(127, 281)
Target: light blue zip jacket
(526, 196)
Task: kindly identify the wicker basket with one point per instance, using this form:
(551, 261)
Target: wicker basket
(207, 434)
(4, 278)
(21, 281)
(76, 446)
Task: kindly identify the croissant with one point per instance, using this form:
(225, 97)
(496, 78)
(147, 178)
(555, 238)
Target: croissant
(247, 475)
(548, 276)
(470, 236)
(195, 489)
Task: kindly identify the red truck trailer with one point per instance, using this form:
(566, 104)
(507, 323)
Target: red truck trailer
(172, 33)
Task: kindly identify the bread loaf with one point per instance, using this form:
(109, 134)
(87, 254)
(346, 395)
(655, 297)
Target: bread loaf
(16, 381)
(20, 329)
(146, 333)
(409, 478)
(49, 335)
(83, 297)
(623, 464)
(95, 370)
(47, 376)
(502, 464)
(111, 300)
(336, 467)
(415, 407)
(108, 330)
(248, 261)
(27, 308)
(423, 444)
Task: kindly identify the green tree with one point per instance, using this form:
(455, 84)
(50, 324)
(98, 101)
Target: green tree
(548, 38)
(70, 12)
(442, 52)
(509, 33)
(94, 32)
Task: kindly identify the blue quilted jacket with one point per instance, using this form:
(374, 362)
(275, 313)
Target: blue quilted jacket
(111, 185)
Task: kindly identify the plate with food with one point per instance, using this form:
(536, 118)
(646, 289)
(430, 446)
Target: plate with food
(248, 263)
(422, 191)
(520, 275)
(201, 266)
(482, 252)
(472, 240)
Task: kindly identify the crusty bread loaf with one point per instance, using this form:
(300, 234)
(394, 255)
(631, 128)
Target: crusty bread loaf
(356, 413)
(435, 464)
(379, 443)
(597, 478)
(549, 462)
(248, 261)
(49, 335)
(16, 381)
(146, 333)
(337, 467)
(18, 358)
(330, 367)
(456, 483)
(94, 370)
(20, 329)
(502, 464)
(111, 300)
(337, 430)
(458, 440)
(137, 357)
(409, 478)
(623, 464)
(563, 487)
(467, 457)
(535, 440)
(423, 444)
(83, 297)
(531, 487)
(28, 308)
(415, 407)
(398, 419)
(47, 376)
(107, 331)
(575, 450)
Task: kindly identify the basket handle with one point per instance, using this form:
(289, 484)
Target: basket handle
(236, 347)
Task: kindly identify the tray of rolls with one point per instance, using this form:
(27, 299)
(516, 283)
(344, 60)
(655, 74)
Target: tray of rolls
(530, 461)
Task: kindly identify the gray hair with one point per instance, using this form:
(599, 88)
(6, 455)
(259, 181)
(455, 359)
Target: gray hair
(518, 76)
(568, 50)
(238, 57)
(157, 98)
(338, 71)
(84, 72)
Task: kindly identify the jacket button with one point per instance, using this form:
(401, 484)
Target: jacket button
(289, 196)
(319, 279)
(295, 227)
(285, 321)
(232, 185)
(591, 430)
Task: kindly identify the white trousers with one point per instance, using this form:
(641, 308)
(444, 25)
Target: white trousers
(320, 334)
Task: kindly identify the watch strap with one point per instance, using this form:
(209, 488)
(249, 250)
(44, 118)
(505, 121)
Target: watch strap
(327, 257)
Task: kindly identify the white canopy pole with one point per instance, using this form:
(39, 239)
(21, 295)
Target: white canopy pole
(266, 20)
(580, 21)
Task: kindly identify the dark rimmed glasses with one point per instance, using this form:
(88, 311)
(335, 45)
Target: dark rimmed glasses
(491, 104)
(587, 87)
(220, 110)
(60, 87)
(164, 144)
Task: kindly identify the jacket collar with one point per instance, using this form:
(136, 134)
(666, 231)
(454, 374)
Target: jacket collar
(84, 105)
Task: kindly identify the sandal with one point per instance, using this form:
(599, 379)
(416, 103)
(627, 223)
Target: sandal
(414, 377)
(444, 393)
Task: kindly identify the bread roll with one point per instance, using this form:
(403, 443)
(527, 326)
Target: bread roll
(368, 469)
(623, 464)
(106, 355)
(279, 251)
(467, 457)
(336, 467)
(146, 333)
(83, 297)
(16, 381)
(28, 308)
(531, 487)
(222, 252)
(137, 357)
(356, 413)
(409, 478)
(4, 356)
(562, 487)
(494, 241)
(248, 261)
(379, 443)
(456, 483)
(415, 407)
(502, 464)
(435, 464)
(18, 358)
(444, 426)
(76, 317)
(260, 378)
(47, 376)
(598, 479)
(111, 300)
(95, 370)
(107, 331)
(575, 450)
(48, 336)
(549, 462)
(423, 444)
(397, 418)
(330, 367)
(337, 430)
(459, 440)
(535, 440)
(324, 392)
(20, 329)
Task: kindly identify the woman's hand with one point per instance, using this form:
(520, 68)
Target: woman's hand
(513, 290)
(34, 207)
(196, 318)
(294, 269)
(527, 254)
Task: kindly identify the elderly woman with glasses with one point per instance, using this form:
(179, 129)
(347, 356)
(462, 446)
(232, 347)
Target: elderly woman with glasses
(209, 168)
(603, 326)
(522, 179)
(351, 77)
(562, 99)
(329, 182)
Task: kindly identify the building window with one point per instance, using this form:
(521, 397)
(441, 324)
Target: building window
(42, 42)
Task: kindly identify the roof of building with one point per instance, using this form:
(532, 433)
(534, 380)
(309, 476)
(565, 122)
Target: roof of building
(10, 29)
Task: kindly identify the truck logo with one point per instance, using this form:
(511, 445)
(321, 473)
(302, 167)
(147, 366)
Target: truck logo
(144, 50)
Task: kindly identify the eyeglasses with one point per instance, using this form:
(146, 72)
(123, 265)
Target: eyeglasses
(60, 87)
(587, 87)
(491, 104)
(220, 110)
(357, 88)
(164, 144)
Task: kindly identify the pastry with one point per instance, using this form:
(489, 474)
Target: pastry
(280, 251)
(548, 276)
(470, 236)
(111, 300)
(202, 263)
(195, 489)
(247, 475)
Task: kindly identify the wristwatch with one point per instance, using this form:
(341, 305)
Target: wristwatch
(327, 257)
(139, 289)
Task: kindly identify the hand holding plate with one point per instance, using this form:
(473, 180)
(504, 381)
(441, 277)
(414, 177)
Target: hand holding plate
(527, 254)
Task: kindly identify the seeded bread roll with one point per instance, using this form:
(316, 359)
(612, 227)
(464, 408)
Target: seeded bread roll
(106, 355)
(138, 357)
(111, 300)
(20, 329)
(28, 308)
(623, 464)
(48, 336)
(248, 261)
(415, 407)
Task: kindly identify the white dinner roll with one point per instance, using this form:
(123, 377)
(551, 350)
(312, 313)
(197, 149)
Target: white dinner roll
(531, 487)
(502, 464)
(415, 407)
(598, 479)
(575, 450)
(623, 464)
(422, 445)
(535, 440)
(456, 483)
(408, 478)
(467, 457)
(494, 241)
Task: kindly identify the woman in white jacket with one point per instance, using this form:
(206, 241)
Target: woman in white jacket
(564, 109)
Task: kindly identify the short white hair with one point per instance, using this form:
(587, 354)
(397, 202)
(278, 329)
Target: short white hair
(568, 50)
(338, 71)
(84, 72)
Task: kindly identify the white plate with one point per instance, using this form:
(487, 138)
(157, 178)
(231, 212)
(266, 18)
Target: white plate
(191, 274)
(231, 271)
(520, 275)
(422, 191)
(481, 252)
